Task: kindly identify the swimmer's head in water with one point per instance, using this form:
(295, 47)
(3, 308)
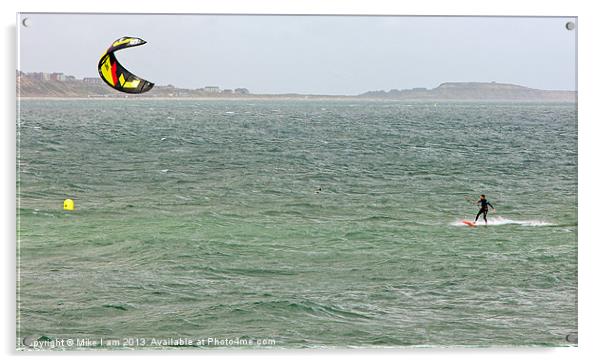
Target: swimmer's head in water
(482, 197)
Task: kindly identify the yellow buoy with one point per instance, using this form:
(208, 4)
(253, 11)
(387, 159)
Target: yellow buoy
(68, 204)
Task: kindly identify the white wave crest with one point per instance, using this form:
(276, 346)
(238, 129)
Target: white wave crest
(499, 220)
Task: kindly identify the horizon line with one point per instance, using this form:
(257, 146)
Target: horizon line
(314, 94)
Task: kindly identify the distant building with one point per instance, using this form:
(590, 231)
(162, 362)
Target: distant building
(227, 91)
(211, 89)
(242, 91)
(92, 80)
(57, 76)
(69, 78)
(40, 76)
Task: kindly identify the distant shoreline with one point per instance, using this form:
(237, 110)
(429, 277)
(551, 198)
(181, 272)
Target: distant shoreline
(288, 98)
(59, 86)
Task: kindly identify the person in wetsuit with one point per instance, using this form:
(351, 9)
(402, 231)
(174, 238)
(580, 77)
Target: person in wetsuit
(484, 208)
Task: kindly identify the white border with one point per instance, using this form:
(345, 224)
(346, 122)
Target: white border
(589, 141)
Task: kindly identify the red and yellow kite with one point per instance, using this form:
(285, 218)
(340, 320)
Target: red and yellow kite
(115, 75)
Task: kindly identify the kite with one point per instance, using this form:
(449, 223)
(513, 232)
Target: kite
(115, 75)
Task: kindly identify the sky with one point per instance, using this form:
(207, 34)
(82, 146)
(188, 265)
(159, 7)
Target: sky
(345, 55)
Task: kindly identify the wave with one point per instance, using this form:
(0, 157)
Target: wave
(287, 308)
(499, 220)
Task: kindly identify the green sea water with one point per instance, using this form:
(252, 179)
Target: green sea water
(294, 224)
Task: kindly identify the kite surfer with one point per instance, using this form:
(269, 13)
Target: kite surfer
(484, 208)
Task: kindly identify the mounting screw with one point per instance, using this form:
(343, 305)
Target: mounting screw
(570, 25)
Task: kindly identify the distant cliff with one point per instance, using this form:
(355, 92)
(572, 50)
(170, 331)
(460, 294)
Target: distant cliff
(30, 87)
(476, 91)
(38, 84)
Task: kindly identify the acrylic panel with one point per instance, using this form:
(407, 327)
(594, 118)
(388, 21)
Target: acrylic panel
(197, 181)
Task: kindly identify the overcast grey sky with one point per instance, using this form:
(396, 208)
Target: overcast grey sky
(308, 54)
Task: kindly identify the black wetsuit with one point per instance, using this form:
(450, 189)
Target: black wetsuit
(484, 209)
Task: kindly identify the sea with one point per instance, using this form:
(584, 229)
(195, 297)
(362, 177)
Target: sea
(250, 223)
